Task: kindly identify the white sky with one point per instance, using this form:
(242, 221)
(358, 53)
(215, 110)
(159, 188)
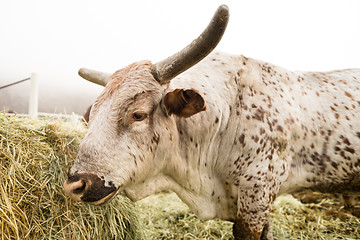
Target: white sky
(55, 38)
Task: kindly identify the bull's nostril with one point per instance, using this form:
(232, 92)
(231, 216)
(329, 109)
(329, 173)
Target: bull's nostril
(80, 189)
(89, 188)
(75, 187)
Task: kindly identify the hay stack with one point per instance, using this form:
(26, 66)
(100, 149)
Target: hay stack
(34, 159)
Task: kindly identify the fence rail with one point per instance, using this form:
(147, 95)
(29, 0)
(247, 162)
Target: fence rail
(34, 94)
(14, 83)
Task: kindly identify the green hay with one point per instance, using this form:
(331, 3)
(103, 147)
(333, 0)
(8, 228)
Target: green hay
(164, 216)
(35, 156)
(323, 218)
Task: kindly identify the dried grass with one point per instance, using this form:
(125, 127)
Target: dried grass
(164, 216)
(34, 160)
(322, 218)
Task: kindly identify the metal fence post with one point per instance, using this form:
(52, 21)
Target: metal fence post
(34, 96)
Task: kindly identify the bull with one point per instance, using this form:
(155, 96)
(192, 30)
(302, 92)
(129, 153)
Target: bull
(227, 136)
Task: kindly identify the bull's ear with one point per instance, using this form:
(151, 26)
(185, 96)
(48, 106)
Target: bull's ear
(184, 102)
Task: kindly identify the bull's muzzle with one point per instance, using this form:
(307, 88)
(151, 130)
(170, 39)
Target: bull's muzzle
(89, 188)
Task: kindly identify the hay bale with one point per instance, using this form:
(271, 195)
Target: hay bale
(35, 156)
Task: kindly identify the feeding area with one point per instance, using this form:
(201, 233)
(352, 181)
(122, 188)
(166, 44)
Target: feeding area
(35, 156)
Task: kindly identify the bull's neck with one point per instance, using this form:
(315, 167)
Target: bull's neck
(195, 168)
(199, 143)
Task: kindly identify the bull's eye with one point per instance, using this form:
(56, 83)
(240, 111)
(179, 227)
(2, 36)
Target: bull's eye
(139, 116)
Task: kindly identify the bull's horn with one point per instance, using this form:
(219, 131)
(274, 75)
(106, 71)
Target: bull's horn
(172, 66)
(95, 76)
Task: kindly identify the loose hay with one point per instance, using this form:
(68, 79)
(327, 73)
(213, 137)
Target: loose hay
(323, 218)
(164, 216)
(34, 160)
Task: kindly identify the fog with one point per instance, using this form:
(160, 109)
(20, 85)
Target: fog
(56, 38)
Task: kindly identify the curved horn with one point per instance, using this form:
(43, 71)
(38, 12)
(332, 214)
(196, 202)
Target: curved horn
(95, 76)
(172, 66)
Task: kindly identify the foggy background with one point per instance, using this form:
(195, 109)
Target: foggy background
(55, 38)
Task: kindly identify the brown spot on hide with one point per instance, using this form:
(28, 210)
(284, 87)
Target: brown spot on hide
(259, 115)
(242, 138)
(262, 131)
(347, 142)
(350, 150)
(358, 134)
(348, 94)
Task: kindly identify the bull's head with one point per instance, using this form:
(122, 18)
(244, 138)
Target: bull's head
(132, 121)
